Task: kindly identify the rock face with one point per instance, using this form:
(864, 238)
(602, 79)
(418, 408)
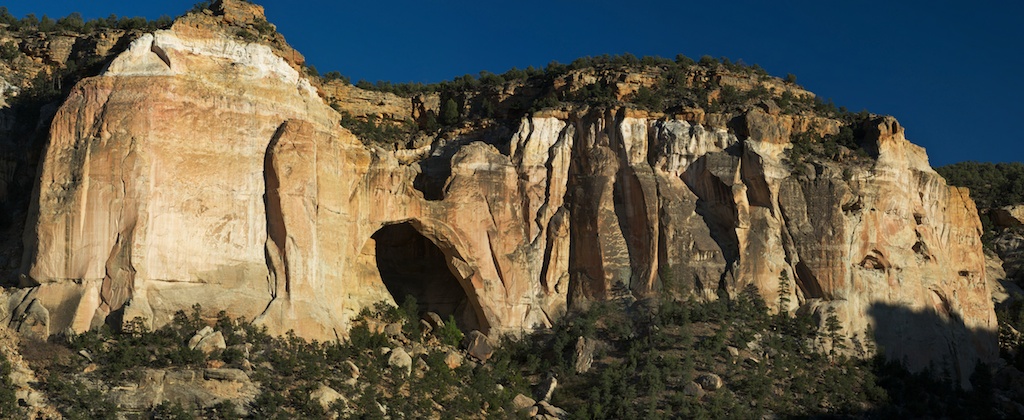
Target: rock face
(23, 379)
(190, 389)
(199, 168)
(1007, 216)
(1008, 244)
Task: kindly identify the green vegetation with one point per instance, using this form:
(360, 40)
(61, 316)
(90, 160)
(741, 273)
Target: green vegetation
(288, 368)
(8, 402)
(76, 400)
(679, 86)
(651, 356)
(1011, 318)
(52, 83)
(449, 112)
(263, 29)
(672, 88)
(646, 359)
(136, 347)
(991, 184)
(75, 23)
(9, 51)
(450, 333)
(371, 132)
(334, 75)
(845, 145)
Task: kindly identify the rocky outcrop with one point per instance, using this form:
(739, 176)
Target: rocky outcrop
(200, 168)
(24, 380)
(1007, 217)
(193, 390)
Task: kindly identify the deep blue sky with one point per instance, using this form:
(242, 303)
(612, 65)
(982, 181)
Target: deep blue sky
(951, 72)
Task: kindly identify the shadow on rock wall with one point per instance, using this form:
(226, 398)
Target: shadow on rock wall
(933, 341)
(24, 131)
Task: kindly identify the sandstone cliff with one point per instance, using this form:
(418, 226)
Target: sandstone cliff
(203, 168)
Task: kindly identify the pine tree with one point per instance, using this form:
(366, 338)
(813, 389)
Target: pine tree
(834, 329)
(8, 403)
(449, 112)
(783, 293)
(782, 319)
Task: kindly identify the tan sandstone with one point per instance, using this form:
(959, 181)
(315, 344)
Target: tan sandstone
(200, 168)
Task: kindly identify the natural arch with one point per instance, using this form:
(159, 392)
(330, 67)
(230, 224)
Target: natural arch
(410, 264)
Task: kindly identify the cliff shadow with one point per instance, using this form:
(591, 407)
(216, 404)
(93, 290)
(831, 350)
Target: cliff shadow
(24, 134)
(931, 340)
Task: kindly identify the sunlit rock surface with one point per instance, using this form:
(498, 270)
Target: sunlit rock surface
(199, 168)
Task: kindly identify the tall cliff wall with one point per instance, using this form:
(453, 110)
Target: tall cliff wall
(199, 168)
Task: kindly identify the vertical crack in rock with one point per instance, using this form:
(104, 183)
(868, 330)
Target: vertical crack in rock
(497, 265)
(557, 236)
(807, 282)
(161, 54)
(753, 176)
(555, 188)
(798, 226)
(277, 262)
(710, 179)
(630, 199)
(117, 286)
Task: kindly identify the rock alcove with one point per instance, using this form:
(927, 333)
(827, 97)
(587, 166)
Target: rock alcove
(410, 264)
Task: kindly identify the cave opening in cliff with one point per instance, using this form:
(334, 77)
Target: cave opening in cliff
(410, 264)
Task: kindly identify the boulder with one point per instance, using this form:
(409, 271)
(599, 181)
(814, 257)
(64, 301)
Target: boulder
(326, 396)
(222, 374)
(198, 336)
(693, 390)
(733, 351)
(211, 343)
(709, 381)
(434, 319)
(350, 372)
(478, 345)
(453, 359)
(393, 329)
(421, 365)
(191, 389)
(548, 409)
(400, 359)
(31, 320)
(521, 402)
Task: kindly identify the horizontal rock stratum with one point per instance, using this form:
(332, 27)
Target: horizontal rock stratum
(202, 169)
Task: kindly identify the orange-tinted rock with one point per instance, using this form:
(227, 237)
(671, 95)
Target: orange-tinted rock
(202, 169)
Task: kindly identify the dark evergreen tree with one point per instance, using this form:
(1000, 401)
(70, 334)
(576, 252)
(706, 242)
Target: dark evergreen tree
(449, 112)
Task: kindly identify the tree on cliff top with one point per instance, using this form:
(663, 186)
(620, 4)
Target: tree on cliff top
(991, 184)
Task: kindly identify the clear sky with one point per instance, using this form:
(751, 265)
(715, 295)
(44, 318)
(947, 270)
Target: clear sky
(951, 72)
